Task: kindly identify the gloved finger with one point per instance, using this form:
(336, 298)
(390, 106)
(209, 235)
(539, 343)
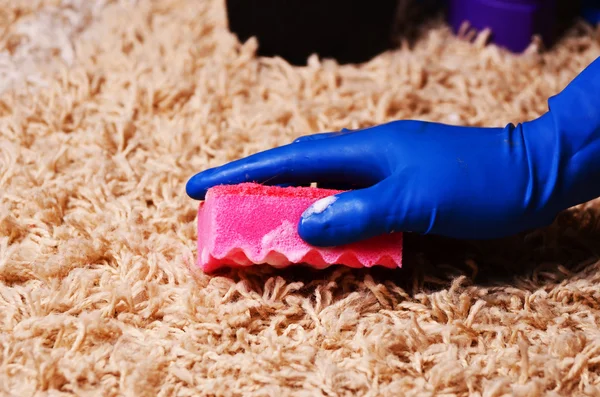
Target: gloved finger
(322, 135)
(333, 160)
(359, 215)
(346, 217)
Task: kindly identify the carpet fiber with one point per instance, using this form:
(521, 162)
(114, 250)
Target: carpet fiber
(99, 132)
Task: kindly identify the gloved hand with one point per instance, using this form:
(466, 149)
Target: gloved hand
(423, 177)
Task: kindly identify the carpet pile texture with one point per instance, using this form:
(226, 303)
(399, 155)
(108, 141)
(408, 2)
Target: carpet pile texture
(108, 107)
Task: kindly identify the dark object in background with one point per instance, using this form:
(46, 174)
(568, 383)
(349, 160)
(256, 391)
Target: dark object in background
(514, 22)
(350, 31)
(590, 10)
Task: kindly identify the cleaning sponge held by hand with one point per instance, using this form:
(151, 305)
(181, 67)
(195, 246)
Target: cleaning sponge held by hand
(245, 224)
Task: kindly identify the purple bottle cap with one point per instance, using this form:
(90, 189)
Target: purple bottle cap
(513, 22)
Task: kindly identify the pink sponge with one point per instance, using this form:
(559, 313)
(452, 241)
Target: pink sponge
(247, 224)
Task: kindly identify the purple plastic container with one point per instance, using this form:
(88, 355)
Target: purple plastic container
(513, 22)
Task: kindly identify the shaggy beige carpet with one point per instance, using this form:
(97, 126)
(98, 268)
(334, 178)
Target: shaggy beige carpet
(99, 131)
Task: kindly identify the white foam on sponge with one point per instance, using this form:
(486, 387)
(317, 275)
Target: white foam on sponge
(204, 255)
(319, 206)
(281, 239)
(285, 231)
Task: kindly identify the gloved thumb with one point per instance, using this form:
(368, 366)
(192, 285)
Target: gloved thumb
(351, 216)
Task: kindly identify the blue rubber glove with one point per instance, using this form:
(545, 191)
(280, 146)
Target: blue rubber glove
(461, 182)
